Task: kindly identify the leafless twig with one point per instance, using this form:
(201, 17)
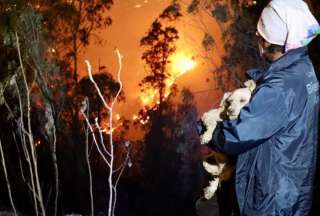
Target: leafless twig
(107, 154)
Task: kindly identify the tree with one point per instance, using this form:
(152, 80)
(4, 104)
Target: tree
(171, 164)
(72, 25)
(106, 83)
(160, 44)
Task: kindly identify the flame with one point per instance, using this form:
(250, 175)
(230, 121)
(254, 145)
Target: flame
(169, 82)
(109, 131)
(181, 64)
(134, 117)
(118, 117)
(148, 96)
(143, 122)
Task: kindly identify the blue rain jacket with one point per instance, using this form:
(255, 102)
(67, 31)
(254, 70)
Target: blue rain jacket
(275, 138)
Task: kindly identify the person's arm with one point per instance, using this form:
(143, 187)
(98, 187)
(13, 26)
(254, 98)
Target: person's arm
(265, 115)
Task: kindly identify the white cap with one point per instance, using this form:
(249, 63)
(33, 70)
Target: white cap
(288, 23)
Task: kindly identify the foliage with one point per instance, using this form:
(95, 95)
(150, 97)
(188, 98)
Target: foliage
(72, 24)
(160, 44)
(220, 12)
(208, 42)
(108, 86)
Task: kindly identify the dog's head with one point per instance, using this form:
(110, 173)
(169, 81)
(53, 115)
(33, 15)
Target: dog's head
(236, 101)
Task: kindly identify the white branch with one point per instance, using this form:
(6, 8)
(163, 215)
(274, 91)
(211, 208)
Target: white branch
(94, 138)
(29, 130)
(120, 57)
(3, 161)
(109, 107)
(101, 137)
(96, 85)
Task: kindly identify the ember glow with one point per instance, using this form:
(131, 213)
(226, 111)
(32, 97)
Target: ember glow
(37, 143)
(148, 96)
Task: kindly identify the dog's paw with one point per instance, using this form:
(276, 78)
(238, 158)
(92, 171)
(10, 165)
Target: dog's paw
(207, 136)
(214, 170)
(211, 189)
(211, 117)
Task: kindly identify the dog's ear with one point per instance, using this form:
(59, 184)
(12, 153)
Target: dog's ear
(224, 98)
(250, 84)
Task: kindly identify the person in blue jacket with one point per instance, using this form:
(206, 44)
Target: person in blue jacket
(275, 136)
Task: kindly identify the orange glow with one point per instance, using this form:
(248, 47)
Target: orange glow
(108, 130)
(169, 82)
(134, 117)
(148, 96)
(118, 117)
(181, 64)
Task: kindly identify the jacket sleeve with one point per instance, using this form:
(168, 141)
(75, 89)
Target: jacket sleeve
(264, 116)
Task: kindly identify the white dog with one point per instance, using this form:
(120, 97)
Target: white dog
(230, 108)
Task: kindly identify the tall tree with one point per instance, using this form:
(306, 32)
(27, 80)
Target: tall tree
(171, 164)
(160, 44)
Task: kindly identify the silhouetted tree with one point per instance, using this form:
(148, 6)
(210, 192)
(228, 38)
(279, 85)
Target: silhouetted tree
(171, 165)
(160, 44)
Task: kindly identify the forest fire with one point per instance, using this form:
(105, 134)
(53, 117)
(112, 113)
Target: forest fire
(118, 136)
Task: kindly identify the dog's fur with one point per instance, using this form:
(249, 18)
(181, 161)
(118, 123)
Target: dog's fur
(229, 109)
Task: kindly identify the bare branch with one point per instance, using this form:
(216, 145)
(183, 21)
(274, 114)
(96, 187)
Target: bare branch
(3, 161)
(30, 136)
(110, 152)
